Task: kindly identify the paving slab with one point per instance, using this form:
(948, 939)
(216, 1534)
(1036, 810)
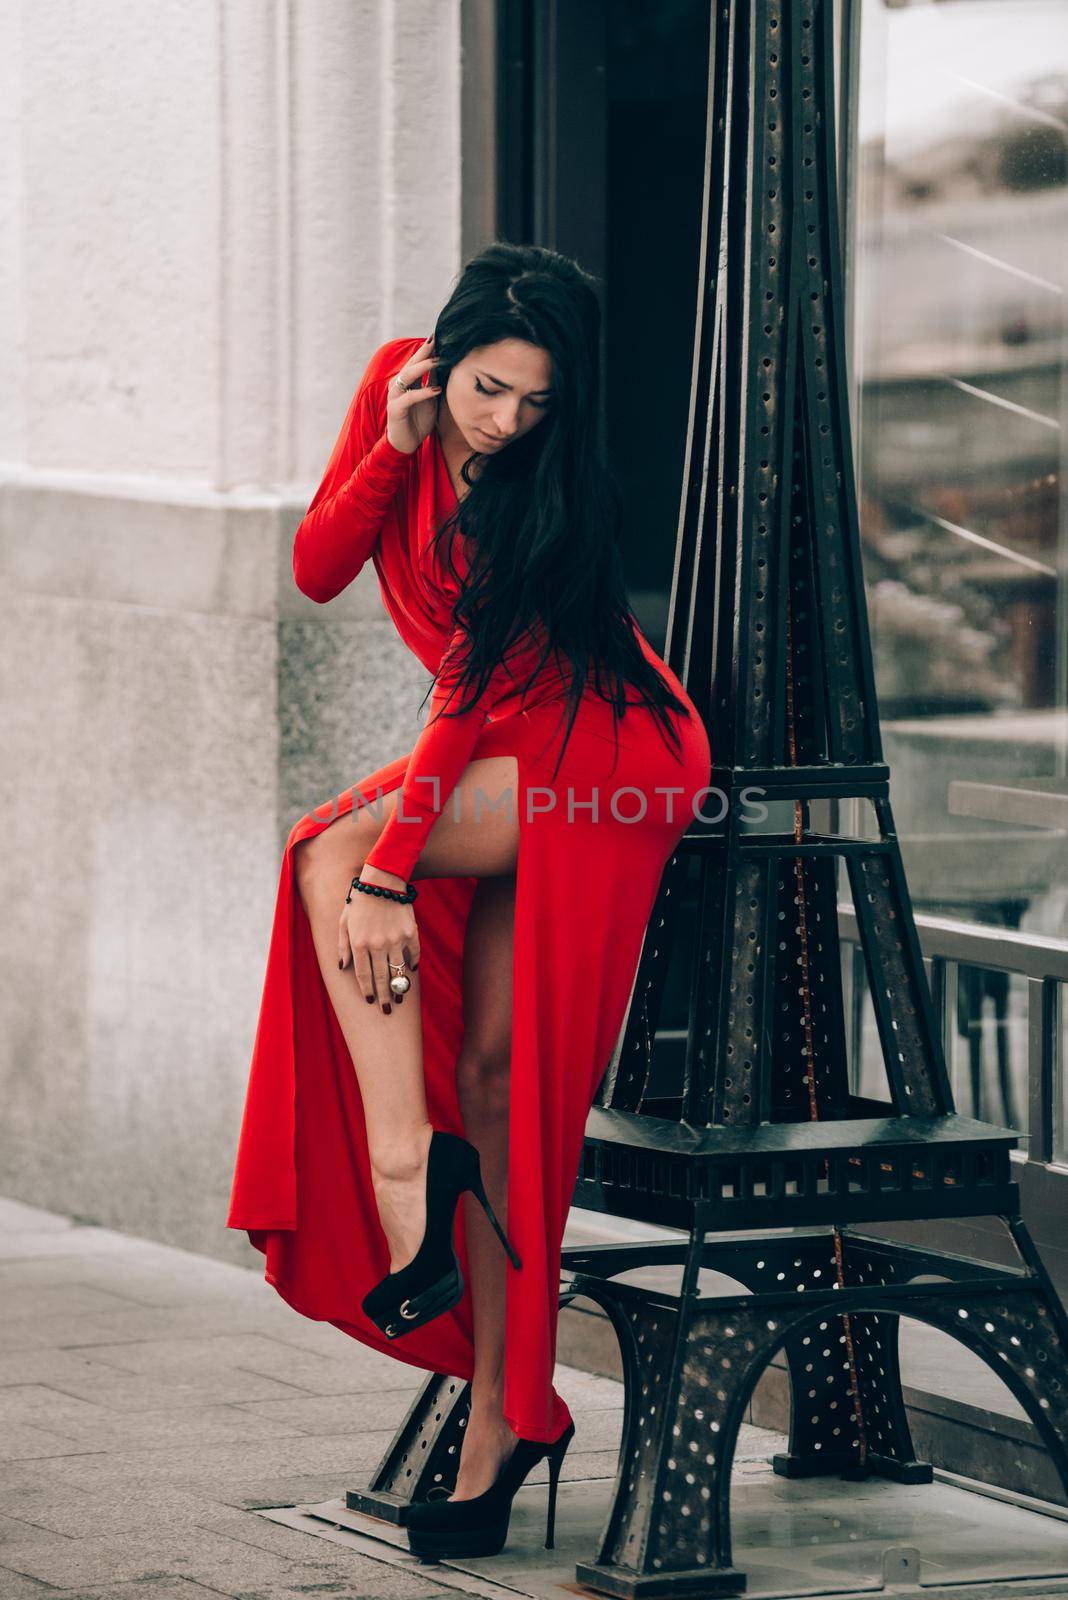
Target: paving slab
(132, 1449)
(101, 1428)
(792, 1538)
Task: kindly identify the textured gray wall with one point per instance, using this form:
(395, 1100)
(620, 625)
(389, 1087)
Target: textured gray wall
(211, 216)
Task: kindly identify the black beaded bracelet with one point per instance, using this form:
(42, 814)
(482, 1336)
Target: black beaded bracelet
(404, 897)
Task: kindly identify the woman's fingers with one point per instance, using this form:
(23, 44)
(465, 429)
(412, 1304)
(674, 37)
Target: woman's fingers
(413, 370)
(406, 428)
(344, 948)
(375, 963)
(411, 376)
(398, 968)
(380, 968)
(348, 953)
(364, 976)
(405, 402)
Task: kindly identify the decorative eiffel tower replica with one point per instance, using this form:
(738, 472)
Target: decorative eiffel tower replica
(769, 633)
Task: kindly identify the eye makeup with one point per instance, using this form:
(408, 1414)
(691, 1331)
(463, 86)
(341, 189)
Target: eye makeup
(541, 404)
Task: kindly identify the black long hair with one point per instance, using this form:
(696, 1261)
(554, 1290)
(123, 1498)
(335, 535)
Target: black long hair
(543, 514)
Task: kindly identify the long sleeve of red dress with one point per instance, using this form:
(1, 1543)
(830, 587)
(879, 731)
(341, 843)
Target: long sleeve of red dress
(338, 532)
(333, 542)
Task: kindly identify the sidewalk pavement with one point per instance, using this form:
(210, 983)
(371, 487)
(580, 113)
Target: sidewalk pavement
(150, 1399)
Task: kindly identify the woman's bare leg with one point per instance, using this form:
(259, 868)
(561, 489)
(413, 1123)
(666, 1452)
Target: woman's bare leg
(483, 1081)
(472, 838)
(475, 837)
(387, 1051)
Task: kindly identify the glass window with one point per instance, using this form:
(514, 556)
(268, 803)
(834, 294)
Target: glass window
(959, 235)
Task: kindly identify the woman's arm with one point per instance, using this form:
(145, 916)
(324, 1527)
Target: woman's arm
(435, 765)
(340, 528)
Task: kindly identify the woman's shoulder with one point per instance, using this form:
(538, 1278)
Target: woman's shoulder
(390, 357)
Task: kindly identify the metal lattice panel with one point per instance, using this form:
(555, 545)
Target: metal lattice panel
(835, 1312)
(744, 1032)
(808, 961)
(423, 1456)
(897, 983)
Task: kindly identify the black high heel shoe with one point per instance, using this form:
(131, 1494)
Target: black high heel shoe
(432, 1281)
(479, 1526)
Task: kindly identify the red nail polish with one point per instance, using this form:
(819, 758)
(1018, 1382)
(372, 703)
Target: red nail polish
(387, 1009)
(370, 999)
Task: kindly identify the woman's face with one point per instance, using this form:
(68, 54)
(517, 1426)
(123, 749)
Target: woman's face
(498, 392)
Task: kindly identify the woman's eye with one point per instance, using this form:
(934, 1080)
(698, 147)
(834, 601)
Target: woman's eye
(541, 404)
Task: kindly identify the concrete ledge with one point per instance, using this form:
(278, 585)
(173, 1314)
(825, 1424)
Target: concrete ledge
(177, 545)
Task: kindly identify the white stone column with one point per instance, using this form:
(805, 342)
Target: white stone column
(212, 212)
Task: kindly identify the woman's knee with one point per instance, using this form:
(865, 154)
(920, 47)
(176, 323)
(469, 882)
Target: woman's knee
(333, 856)
(483, 1075)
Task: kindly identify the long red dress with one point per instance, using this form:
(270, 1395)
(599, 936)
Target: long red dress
(593, 843)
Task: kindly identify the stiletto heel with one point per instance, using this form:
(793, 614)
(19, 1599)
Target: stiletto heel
(479, 1526)
(432, 1282)
(555, 1463)
(483, 1199)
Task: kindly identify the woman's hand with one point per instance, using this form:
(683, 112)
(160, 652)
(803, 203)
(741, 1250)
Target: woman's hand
(373, 932)
(409, 418)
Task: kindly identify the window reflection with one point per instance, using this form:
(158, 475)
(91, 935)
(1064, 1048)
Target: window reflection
(988, 1045)
(960, 221)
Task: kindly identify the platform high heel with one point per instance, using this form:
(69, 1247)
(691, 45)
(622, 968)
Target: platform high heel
(479, 1526)
(432, 1281)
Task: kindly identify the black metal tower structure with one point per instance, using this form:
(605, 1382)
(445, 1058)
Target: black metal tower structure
(764, 1141)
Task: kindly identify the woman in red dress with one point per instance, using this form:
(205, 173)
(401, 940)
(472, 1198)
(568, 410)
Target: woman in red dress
(558, 768)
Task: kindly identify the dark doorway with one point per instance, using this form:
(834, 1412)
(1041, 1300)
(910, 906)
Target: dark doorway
(600, 133)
